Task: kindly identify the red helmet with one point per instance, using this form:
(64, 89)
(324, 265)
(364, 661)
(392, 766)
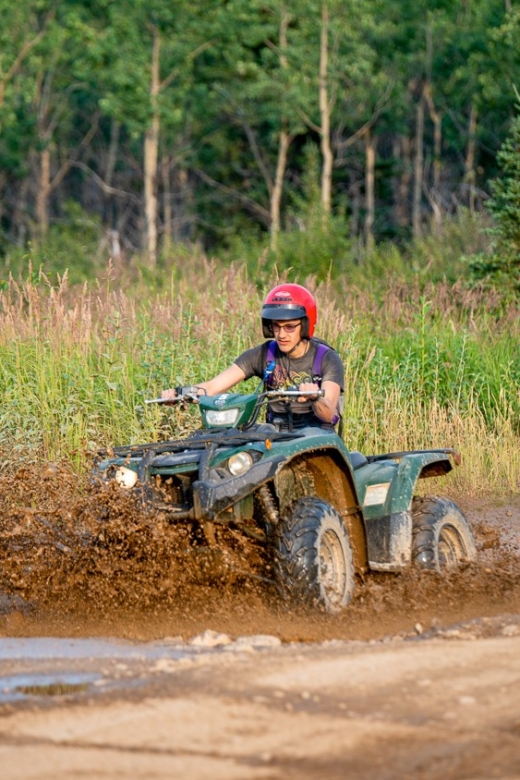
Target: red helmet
(289, 302)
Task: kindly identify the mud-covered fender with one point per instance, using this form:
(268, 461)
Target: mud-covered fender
(387, 488)
(325, 472)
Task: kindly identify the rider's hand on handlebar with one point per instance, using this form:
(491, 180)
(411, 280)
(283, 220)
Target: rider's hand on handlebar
(307, 387)
(188, 393)
(171, 394)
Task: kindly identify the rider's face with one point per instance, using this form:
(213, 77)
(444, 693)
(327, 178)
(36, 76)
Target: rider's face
(287, 334)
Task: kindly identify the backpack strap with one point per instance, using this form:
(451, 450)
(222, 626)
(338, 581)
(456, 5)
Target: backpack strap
(321, 350)
(270, 363)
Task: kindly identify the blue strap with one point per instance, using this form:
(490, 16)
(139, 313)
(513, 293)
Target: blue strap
(270, 362)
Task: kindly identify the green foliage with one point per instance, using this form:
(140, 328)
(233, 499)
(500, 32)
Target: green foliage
(74, 246)
(234, 79)
(313, 243)
(501, 265)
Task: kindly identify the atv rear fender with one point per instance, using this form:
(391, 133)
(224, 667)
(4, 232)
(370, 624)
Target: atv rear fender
(386, 486)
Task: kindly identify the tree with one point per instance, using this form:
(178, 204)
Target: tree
(501, 265)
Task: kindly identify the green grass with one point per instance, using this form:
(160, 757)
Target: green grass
(426, 366)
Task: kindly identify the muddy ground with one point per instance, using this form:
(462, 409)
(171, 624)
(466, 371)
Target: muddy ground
(162, 663)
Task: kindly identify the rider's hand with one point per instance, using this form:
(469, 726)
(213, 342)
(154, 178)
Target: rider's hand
(171, 393)
(306, 387)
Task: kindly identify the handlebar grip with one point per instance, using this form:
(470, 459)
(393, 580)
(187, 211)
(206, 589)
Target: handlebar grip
(181, 393)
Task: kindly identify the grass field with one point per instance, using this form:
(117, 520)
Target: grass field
(432, 366)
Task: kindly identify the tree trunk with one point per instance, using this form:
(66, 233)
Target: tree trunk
(355, 208)
(42, 195)
(403, 152)
(418, 168)
(326, 150)
(436, 118)
(183, 205)
(284, 142)
(110, 165)
(167, 203)
(370, 160)
(151, 154)
(469, 164)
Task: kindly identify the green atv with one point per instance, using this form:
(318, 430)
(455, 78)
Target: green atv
(319, 512)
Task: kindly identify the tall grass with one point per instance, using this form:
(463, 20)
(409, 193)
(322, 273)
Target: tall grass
(431, 367)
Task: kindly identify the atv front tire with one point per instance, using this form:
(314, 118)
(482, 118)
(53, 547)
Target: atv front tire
(313, 561)
(442, 539)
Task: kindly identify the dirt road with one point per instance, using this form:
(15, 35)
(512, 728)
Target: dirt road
(420, 678)
(444, 706)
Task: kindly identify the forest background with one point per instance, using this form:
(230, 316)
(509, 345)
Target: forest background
(163, 163)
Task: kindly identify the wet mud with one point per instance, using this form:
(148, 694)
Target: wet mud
(78, 560)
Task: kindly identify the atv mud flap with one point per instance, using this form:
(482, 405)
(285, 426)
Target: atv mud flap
(389, 541)
(210, 497)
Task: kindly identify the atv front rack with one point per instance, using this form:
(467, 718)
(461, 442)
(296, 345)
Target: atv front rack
(199, 441)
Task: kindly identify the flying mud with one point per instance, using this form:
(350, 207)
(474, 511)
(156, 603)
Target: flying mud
(78, 560)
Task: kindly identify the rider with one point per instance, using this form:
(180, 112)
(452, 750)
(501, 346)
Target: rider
(289, 316)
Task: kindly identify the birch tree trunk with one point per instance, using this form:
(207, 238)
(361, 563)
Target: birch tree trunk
(42, 195)
(403, 152)
(284, 142)
(418, 168)
(326, 150)
(167, 203)
(436, 118)
(370, 161)
(469, 163)
(151, 154)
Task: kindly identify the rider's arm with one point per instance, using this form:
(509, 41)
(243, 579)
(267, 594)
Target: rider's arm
(224, 381)
(219, 384)
(324, 406)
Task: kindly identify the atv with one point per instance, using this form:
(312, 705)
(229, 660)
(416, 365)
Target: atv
(321, 513)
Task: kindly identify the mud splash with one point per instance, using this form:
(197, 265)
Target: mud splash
(78, 561)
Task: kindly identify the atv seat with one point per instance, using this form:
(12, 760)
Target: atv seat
(357, 459)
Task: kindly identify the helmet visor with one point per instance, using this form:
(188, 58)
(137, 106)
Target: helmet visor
(283, 311)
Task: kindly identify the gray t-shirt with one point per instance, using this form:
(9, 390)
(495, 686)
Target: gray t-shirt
(291, 372)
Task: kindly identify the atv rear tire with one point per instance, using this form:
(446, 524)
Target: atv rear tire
(314, 564)
(442, 538)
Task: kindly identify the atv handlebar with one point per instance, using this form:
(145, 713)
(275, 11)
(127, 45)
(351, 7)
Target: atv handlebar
(190, 395)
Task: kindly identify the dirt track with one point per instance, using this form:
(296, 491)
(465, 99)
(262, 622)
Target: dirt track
(419, 679)
(439, 708)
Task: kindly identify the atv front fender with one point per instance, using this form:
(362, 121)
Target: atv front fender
(211, 497)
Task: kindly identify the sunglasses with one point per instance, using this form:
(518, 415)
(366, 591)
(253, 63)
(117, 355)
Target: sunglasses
(290, 328)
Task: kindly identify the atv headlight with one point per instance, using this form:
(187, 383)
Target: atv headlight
(240, 463)
(126, 478)
(222, 416)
